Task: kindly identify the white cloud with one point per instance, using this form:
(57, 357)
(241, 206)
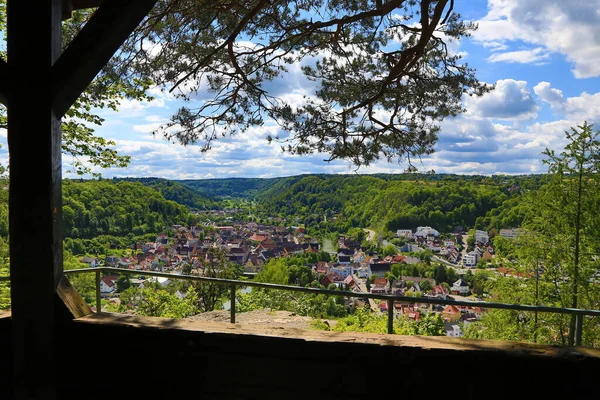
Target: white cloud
(571, 28)
(511, 99)
(495, 45)
(536, 55)
(549, 95)
(585, 107)
(147, 128)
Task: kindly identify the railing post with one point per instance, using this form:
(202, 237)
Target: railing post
(232, 305)
(390, 307)
(98, 294)
(578, 329)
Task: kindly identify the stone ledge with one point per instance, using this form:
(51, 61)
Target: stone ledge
(417, 342)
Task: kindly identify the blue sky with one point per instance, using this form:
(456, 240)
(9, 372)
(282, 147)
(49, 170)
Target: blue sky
(543, 55)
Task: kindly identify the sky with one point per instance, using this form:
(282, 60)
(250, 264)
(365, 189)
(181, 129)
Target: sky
(543, 56)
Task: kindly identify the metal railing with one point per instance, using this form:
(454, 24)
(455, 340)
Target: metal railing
(390, 299)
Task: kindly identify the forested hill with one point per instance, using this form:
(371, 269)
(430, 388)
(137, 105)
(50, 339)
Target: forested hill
(239, 188)
(388, 202)
(175, 191)
(92, 208)
(264, 188)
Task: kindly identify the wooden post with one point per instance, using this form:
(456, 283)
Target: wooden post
(98, 293)
(34, 141)
(38, 88)
(578, 329)
(232, 304)
(390, 313)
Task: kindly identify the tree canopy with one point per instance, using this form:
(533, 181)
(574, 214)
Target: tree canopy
(379, 76)
(382, 72)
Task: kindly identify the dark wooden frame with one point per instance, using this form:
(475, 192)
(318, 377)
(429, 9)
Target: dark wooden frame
(39, 84)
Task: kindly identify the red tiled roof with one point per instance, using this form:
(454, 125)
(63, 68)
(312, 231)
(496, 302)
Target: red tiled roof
(451, 309)
(109, 280)
(398, 258)
(380, 282)
(258, 237)
(414, 315)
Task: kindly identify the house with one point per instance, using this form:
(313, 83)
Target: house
(438, 291)
(342, 270)
(350, 283)
(461, 287)
(321, 268)
(311, 247)
(238, 255)
(225, 230)
(259, 237)
(380, 285)
(124, 262)
(161, 280)
(343, 259)
(398, 259)
(407, 233)
(471, 259)
(379, 268)
(452, 329)
(148, 246)
(403, 308)
(108, 284)
(362, 272)
(136, 282)
(453, 255)
(449, 243)
(481, 237)
(476, 311)
(92, 262)
(488, 254)
(328, 280)
(414, 315)
(451, 313)
(433, 246)
(112, 260)
(162, 238)
(382, 282)
(424, 231)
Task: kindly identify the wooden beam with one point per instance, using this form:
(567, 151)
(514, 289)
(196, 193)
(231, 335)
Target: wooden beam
(5, 79)
(34, 143)
(75, 304)
(93, 47)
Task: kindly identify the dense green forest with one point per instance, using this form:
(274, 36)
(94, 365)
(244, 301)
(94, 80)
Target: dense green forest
(262, 188)
(388, 203)
(177, 192)
(238, 188)
(100, 207)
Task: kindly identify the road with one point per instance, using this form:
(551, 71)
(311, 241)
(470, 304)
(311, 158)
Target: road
(464, 250)
(371, 234)
(441, 260)
(363, 288)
